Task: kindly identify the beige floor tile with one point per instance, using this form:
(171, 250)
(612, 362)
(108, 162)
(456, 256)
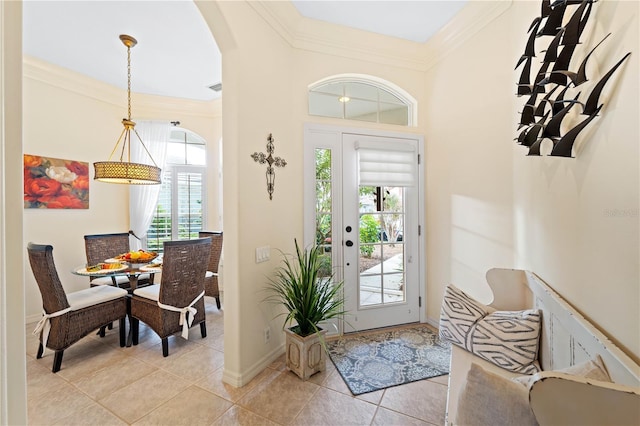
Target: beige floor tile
(321, 376)
(84, 358)
(192, 406)
(100, 384)
(372, 397)
(385, 417)
(238, 416)
(410, 399)
(196, 364)
(216, 342)
(40, 379)
(213, 383)
(93, 414)
(103, 384)
(279, 399)
(143, 396)
(443, 380)
(279, 364)
(60, 401)
(334, 381)
(328, 407)
(177, 347)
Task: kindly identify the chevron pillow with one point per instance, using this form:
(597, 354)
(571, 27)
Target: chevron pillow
(508, 339)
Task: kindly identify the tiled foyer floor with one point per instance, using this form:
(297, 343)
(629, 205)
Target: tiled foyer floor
(103, 384)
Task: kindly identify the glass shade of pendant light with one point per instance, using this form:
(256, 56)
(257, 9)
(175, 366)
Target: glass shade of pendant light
(122, 171)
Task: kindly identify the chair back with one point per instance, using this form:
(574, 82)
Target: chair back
(216, 249)
(54, 298)
(105, 246)
(184, 266)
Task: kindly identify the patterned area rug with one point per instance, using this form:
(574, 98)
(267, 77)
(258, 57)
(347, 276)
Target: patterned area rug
(390, 357)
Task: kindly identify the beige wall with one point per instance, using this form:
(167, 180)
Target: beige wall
(266, 83)
(486, 204)
(13, 385)
(67, 115)
(577, 220)
(574, 222)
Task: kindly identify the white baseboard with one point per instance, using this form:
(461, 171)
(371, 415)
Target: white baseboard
(240, 379)
(434, 322)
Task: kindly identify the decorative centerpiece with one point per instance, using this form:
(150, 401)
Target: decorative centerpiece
(137, 258)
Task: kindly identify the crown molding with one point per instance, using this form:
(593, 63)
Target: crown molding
(309, 34)
(152, 105)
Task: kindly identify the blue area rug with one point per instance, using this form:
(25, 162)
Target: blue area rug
(391, 357)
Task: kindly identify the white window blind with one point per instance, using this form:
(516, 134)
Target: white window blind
(386, 163)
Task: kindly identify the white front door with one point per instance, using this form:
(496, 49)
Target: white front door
(368, 221)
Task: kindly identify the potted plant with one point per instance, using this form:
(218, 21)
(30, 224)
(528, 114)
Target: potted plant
(309, 298)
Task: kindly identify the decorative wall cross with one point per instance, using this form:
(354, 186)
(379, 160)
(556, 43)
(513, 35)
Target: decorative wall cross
(271, 161)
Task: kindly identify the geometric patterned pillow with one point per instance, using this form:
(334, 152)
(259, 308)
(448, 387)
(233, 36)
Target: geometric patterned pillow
(459, 313)
(508, 339)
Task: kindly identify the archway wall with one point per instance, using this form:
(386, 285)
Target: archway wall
(265, 79)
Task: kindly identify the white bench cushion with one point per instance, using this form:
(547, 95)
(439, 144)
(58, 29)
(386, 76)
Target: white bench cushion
(94, 295)
(489, 399)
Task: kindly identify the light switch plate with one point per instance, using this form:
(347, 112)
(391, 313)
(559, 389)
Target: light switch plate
(263, 254)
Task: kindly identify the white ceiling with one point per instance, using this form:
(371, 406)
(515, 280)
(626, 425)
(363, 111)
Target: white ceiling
(176, 54)
(410, 20)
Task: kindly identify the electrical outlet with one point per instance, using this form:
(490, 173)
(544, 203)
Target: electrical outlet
(267, 334)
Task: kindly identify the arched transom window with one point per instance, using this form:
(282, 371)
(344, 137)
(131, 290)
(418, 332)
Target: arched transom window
(362, 98)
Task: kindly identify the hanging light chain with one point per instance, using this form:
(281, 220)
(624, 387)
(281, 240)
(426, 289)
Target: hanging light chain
(129, 81)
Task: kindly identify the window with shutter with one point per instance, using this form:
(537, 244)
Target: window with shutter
(181, 208)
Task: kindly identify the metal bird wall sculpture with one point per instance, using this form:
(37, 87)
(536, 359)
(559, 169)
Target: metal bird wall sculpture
(563, 23)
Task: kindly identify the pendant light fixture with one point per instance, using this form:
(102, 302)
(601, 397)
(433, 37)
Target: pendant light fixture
(122, 171)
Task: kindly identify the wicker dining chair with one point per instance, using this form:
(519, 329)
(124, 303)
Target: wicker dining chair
(177, 302)
(68, 317)
(99, 247)
(211, 287)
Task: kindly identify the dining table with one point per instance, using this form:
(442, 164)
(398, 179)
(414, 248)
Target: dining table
(120, 268)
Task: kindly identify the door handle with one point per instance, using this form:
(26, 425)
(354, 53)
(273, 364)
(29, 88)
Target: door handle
(349, 243)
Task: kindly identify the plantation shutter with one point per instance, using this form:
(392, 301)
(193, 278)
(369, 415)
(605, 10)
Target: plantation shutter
(190, 197)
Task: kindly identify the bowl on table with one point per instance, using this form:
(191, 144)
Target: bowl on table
(136, 259)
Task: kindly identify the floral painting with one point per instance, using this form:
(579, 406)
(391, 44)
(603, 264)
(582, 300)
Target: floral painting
(53, 183)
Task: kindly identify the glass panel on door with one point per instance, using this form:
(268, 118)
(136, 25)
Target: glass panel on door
(381, 260)
(324, 209)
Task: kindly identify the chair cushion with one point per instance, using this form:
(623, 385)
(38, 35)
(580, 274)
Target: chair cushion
(149, 292)
(120, 279)
(94, 295)
(509, 339)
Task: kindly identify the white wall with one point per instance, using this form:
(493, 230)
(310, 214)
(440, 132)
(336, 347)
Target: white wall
(70, 116)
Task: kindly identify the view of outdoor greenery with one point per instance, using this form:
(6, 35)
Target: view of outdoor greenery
(379, 222)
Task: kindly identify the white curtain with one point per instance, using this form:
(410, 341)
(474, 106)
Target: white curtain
(143, 198)
(386, 163)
